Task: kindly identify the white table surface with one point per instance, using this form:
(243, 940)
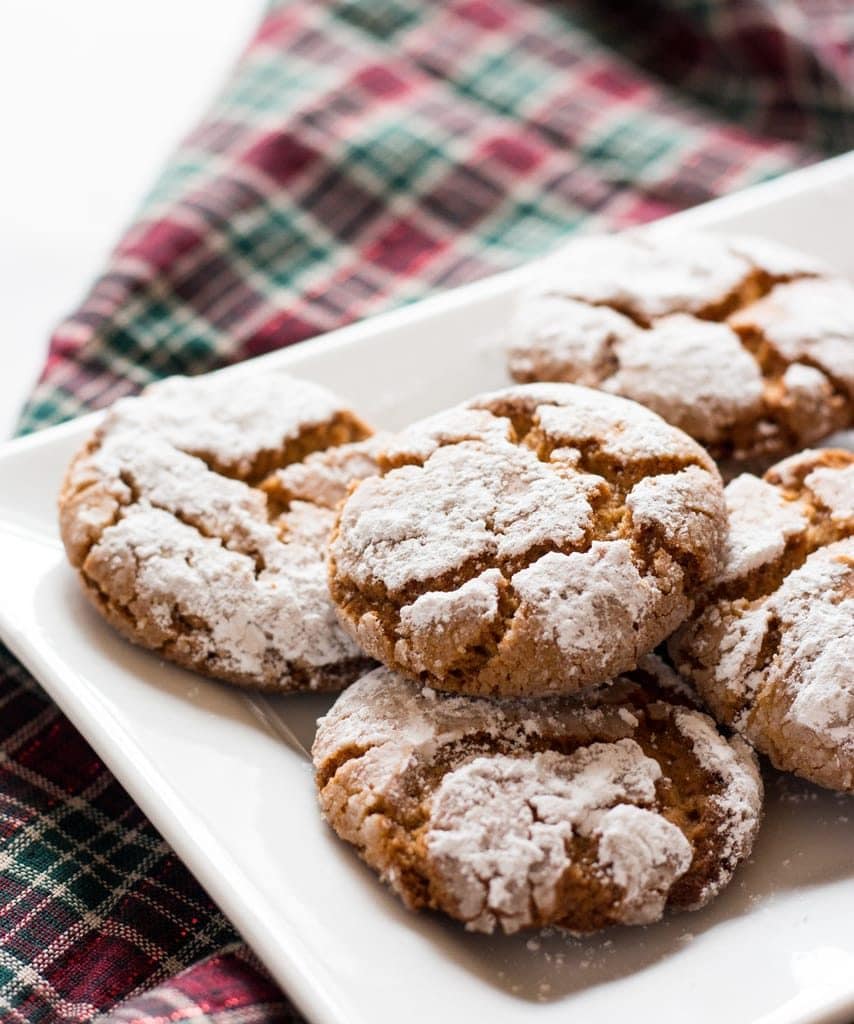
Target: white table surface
(94, 95)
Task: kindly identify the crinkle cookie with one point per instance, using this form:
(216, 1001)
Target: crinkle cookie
(772, 651)
(538, 539)
(745, 345)
(581, 812)
(197, 516)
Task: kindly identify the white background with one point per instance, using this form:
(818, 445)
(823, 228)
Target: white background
(94, 94)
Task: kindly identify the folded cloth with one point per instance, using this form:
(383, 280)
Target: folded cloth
(364, 153)
(230, 987)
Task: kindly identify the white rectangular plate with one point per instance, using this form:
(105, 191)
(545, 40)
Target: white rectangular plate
(224, 778)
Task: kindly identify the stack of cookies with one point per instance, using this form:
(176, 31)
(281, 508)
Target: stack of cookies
(582, 636)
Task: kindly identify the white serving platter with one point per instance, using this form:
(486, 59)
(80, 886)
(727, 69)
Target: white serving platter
(225, 777)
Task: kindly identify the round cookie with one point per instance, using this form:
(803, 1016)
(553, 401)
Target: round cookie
(772, 650)
(535, 540)
(745, 345)
(197, 517)
(580, 812)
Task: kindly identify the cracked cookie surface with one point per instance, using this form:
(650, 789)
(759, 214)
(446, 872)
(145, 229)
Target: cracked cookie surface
(744, 344)
(197, 518)
(772, 650)
(534, 540)
(580, 812)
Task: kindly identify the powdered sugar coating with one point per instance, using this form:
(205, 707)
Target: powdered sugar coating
(324, 478)
(646, 278)
(805, 717)
(440, 621)
(776, 260)
(692, 372)
(499, 828)
(450, 426)
(740, 803)
(746, 345)
(644, 854)
(580, 601)
(810, 320)
(470, 500)
(197, 564)
(511, 814)
(772, 652)
(761, 523)
(496, 553)
(568, 340)
(811, 403)
(816, 603)
(834, 488)
(233, 421)
(581, 418)
(657, 504)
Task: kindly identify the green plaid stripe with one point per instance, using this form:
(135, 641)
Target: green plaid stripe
(81, 870)
(366, 154)
(783, 69)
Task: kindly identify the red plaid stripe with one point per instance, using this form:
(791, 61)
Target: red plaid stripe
(230, 988)
(366, 154)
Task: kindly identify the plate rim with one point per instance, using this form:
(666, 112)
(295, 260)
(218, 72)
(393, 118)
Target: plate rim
(123, 754)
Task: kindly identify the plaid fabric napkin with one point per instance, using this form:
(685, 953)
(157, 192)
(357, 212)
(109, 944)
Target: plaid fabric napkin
(364, 153)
